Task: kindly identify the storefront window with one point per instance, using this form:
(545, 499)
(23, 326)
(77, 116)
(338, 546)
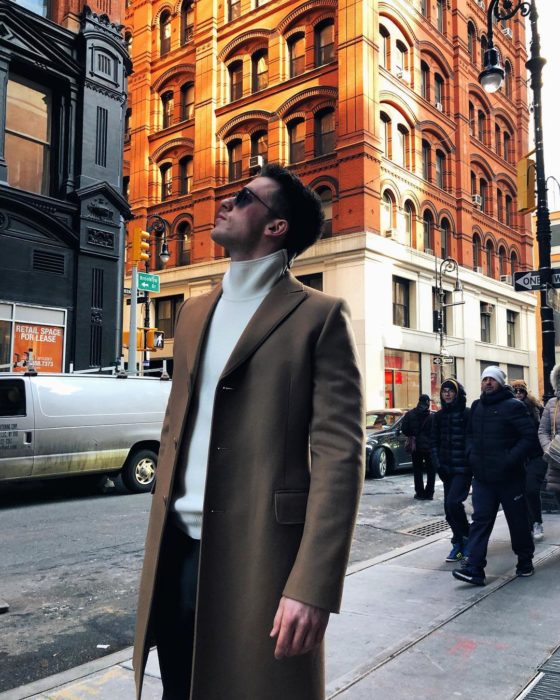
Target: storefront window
(402, 378)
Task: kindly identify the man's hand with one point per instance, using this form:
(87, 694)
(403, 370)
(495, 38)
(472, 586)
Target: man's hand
(298, 626)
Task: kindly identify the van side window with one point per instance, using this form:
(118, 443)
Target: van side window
(12, 397)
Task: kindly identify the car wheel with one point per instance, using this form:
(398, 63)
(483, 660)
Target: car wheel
(139, 472)
(378, 463)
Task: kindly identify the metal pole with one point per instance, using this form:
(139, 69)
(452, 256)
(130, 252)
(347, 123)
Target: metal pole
(535, 66)
(133, 323)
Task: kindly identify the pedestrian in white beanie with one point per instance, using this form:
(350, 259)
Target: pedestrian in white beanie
(496, 373)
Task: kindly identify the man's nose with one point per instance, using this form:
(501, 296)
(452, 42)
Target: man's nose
(228, 203)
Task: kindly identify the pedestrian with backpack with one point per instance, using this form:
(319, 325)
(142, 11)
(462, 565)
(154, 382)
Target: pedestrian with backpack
(448, 451)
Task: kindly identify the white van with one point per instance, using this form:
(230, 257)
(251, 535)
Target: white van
(60, 425)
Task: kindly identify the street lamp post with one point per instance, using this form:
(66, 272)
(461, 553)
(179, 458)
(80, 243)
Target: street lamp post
(491, 79)
(447, 266)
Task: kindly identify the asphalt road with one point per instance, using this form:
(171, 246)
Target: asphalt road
(70, 566)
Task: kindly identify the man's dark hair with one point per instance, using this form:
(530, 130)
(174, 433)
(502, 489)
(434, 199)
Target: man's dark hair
(299, 205)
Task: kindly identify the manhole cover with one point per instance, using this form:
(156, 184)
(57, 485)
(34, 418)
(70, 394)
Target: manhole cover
(429, 529)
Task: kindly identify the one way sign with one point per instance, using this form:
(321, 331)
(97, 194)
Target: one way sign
(531, 280)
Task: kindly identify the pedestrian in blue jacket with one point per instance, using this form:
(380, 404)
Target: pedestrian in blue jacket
(500, 438)
(449, 456)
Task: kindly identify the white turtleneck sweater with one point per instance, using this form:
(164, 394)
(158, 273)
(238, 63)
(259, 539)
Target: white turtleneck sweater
(244, 287)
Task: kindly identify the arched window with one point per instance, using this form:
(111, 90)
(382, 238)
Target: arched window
(259, 145)
(234, 9)
(296, 137)
(498, 139)
(187, 101)
(507, 147)
(401, 58)
(166, 109)
(385, 49)
(387, 212)
(484, 195)
(440, 15)
(424, 7)
(164, 33)
(500, 201)
(438, 91)
(481, 122)
(127, 118)
(187, 21)
(296, 50)
(471, 31)
(386, 134)
(402, 151)
(425, 80)
(128, 41)
(184, 236)
(324, 132)
(508, 81)
(445, 232)
(235, 80)
(260, 70)
(325, 195)
(509, 210)
(166, 181)
(234, 158)
(502, 260)
(513, 262)
(440, 169)
(476, 251)
(471, 119)
(489, 258)
(473, 182)
(324, 42)
(408, 222)
(185, 175)
(426, 160)
(126, 187)
(428, 223)
(483, 49)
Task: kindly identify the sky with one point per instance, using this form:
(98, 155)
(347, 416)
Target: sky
(549, 29)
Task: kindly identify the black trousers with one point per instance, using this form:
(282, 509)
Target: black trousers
(535, 471)
(422, 462)
(455, 491)
(486, 499)
(174, 611)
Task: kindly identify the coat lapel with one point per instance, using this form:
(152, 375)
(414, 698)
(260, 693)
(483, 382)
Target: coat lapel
(279, 303)
(193, 330)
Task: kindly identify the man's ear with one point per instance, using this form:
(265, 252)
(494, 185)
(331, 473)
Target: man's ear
(276, 228)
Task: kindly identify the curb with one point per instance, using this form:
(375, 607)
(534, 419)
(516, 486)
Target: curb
(72, 674)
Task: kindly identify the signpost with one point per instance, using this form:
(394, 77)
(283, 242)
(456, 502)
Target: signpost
(443, 360)
(148, 282)
(531, 280)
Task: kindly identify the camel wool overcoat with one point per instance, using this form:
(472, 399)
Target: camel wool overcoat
(285, 472)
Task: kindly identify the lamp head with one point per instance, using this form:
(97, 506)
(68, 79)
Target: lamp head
(492, 77)
(164, 253)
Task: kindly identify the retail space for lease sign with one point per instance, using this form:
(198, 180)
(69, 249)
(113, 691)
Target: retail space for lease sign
(45, 342)
(31, 332)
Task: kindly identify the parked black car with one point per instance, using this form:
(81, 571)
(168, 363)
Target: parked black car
(385, 451)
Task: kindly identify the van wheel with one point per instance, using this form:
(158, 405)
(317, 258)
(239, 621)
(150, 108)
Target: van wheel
(139, 472)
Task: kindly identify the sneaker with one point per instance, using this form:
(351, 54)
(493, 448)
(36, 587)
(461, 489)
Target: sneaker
(538, 531)
(456, 553)
(476, 578)
(525, 568)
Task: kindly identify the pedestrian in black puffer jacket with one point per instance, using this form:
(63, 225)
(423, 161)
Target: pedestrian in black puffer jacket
(500, 438)
(448, 449)
(417, 424)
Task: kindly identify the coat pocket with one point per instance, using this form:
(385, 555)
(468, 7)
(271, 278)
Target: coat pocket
(290, 507)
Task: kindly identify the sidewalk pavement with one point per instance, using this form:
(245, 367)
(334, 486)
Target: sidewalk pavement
(407, 631)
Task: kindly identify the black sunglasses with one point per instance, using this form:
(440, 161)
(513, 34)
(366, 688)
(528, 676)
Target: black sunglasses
(245, 196)
(519, 391)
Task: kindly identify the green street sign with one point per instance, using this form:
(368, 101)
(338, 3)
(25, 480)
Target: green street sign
(147, 282)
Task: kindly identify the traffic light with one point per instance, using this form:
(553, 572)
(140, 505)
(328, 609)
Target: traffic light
(154, 339)
(526, 185)
(140, 247)
(139, 339)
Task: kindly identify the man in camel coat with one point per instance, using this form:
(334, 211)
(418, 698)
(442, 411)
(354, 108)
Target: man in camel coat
(260, 467)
